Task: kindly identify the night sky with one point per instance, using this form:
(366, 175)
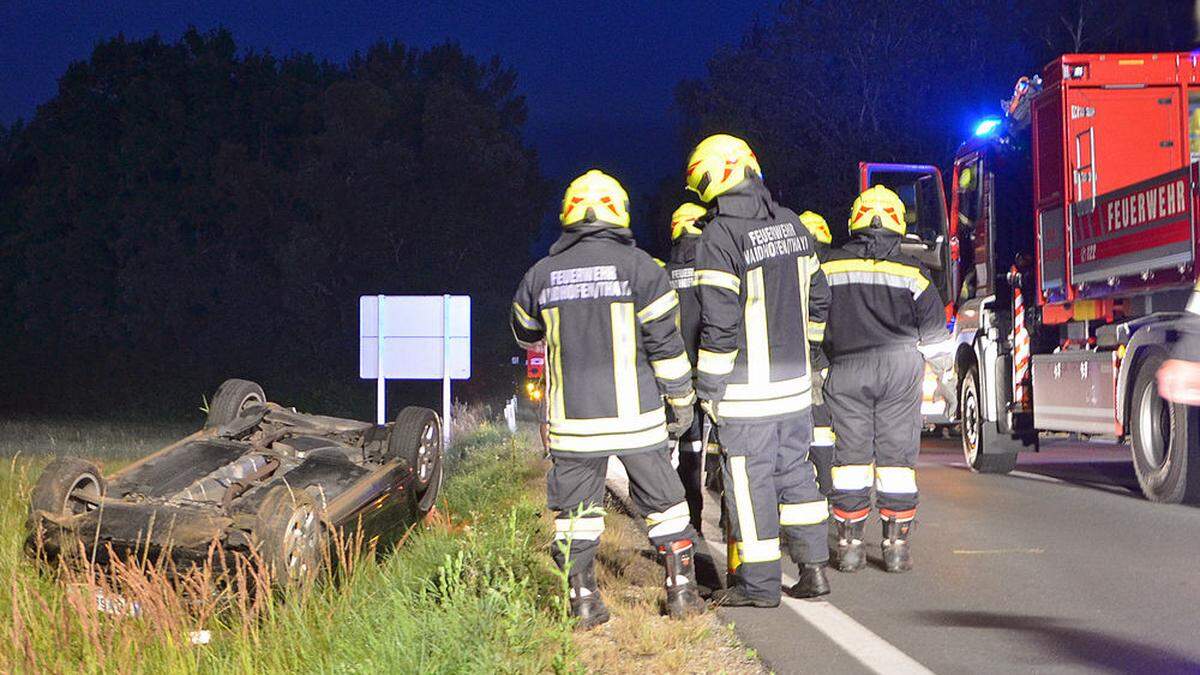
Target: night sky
(599, 77)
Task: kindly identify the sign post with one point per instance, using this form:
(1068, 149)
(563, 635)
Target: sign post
(417, 337)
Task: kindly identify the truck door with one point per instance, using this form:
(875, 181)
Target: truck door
(929, 235)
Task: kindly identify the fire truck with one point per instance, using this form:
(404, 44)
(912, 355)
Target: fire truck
(1066, 254)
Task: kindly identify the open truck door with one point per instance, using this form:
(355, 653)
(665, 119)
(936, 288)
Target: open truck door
(929, 239)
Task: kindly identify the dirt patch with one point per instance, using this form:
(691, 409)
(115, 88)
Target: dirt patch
(640, 638)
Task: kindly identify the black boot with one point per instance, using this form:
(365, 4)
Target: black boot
(586, 603)
(735, 597)
(812, 582)
(683, 596)
(896, 556)
(851, 554)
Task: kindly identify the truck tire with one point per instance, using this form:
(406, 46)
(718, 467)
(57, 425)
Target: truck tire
(416, 439)
(1164, 439)
(984, 448)
(290, 538)
(232, 397)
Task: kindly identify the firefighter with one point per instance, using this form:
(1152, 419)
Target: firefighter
(685, 234)
(607, 314)
(821, 451)
(761, 292)
(889, 315)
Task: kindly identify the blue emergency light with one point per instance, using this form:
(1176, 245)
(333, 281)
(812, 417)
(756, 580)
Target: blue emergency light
(987, 126)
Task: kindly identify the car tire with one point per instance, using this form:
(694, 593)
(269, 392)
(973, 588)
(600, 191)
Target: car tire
(984, 450)
(60, 481)
(291, 538)
(416, 439)
(232, 397)
(1164, 439)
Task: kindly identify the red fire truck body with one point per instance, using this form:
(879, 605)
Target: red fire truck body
(1066, 258)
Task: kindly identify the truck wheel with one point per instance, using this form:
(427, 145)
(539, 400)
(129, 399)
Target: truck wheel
(65, 485)
(290, 537)
(1163, 435)
(983, 448)
(232, 397)
(416, 439)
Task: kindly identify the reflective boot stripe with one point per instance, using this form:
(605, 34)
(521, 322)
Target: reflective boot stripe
(807, 513)
(895, 480)
(850, 516)
(898, 516)
(852, 477)
(579, 529)
(672, 521)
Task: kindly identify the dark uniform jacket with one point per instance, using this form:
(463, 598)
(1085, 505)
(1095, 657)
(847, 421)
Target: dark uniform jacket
(884, 299)
(607, 314)
(681, 267)
(761, 294)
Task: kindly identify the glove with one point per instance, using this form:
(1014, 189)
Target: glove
(818, 386)
(684, 414)
(710, 409)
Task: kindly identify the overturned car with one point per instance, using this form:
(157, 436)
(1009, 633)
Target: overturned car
(259, 479)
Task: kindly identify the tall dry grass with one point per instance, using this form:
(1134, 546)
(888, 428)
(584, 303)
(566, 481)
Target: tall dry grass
(471, 591)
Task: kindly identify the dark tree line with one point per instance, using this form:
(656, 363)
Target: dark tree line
(824, 84)
(181, 212)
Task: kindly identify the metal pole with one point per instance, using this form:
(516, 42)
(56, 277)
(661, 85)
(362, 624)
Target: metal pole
(380, 381)
(445, 371)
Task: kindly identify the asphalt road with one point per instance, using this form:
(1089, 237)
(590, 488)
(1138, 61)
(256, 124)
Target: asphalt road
(1060, 567)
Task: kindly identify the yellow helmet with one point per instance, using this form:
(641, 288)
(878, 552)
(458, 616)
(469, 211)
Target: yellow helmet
(683, 221)
(878, 202)
(817, 227)
(595, 197)
(718, 164)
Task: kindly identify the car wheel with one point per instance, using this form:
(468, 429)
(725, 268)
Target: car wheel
(977, 438)
(291, 538)
(1163, 435)
(68, 486)
(416, 439)
(232, 397)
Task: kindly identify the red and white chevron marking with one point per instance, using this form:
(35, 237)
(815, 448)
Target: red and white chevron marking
(1020, 340)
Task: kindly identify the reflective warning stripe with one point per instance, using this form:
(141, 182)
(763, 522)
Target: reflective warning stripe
(607, 425)
(850, 516)
(758, 347)
(824, 436)
(758, 409)
(581, 529)
(895, 479)
(808, 513)
(765, 550)
(898, 516)
(524, 319)
(816, 331)
(682, 400)
(609, 442)
(766, 391)
(659, 308)
(852, 477)
(749, 546)
(674, 520)
(672, 368)
(875, 272)
(554, 383)
(716, 363)
(624, 337)
(719, 279)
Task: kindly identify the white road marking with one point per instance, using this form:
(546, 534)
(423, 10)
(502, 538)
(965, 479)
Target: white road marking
(996, 551)
(872, 651)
